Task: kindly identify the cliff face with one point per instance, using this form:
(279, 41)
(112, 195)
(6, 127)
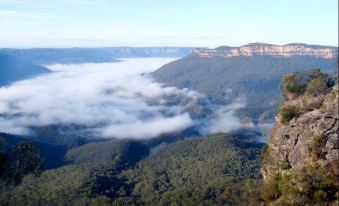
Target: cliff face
(269, 49)
(301, 159)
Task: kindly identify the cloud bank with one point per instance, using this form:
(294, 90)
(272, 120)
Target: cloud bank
(112, 100)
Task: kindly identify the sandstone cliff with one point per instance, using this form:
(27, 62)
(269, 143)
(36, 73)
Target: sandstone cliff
(269, 49)
(301, 159)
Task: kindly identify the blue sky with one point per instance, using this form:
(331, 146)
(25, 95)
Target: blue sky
(207, 23)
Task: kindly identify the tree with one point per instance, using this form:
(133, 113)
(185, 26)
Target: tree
(317, 86)
(2, 158)
(25, 159)
(288, 112)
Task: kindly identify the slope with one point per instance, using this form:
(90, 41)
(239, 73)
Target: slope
(222, 79)
(13, 69)
(215, 169)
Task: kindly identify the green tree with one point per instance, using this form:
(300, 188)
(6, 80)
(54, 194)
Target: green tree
(292, 83)
(288, 112)
(2, 158)
(317, 86)
(25, 159)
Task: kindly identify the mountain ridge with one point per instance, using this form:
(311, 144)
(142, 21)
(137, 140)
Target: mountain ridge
(257, 48)
(92, 55)
(223, 79)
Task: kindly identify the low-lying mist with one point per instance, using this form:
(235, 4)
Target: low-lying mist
(111, 100)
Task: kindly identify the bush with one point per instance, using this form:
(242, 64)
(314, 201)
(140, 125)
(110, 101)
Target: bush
(288, 113)
(316, 147)
(318, 186)
(310, 185)
(317, 86)
(270, 190)
(292, 83)
(266, 153)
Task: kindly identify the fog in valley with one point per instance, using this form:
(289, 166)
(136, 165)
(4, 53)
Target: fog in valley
(111, 100)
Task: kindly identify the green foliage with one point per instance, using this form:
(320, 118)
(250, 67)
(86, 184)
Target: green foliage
(292, 83)
(214, 170)
(258, 77)
(317, 86)
(22, 160)
(125, 152)
(283, 165)
(208, 170)
(316, 147)
(25, 159)
(2, 158)
(270, 190)
(310, 185)
(288, 112)
(266, 154)
(313, 186)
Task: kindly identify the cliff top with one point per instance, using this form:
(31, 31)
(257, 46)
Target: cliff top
(301, 159)
(257, 48)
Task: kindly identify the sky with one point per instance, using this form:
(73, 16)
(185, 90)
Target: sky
(190, 23)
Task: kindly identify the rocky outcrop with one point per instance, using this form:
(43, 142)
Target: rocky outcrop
(301, 159)
(269, 49)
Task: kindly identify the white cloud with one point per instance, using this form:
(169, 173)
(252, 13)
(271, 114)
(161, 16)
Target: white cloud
(224, 118)
(110, 99)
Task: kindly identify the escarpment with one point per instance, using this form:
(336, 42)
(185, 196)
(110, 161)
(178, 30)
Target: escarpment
(269, 49)
(301, 159)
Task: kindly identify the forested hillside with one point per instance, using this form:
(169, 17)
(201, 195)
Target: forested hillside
(216, 169)
(255, 77)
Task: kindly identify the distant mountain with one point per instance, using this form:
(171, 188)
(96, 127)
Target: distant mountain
(13, 69)
(253, 49)
(253, 70)
(86, 55)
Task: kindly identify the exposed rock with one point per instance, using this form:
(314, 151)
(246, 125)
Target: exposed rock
(309, 140)
(269, 49)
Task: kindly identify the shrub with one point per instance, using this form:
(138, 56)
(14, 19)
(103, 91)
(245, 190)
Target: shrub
(317, 86)
(284, 165)
(289, 112)
(266, 153)
(285, 186)
(292, 83)
(310, 185)
(270, 190)
(316, 184)
(316, 147)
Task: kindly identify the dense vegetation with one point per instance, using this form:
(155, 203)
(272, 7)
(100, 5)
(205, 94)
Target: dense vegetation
(52, 154)
(217, 169)
(256, 77)
(23, 159)
(313, 83)
(213, 170)
(310, 185)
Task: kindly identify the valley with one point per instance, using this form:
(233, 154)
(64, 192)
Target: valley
(151, 131)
